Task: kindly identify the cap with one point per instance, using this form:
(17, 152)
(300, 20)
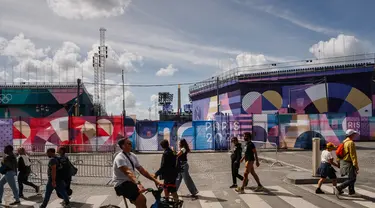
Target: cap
(350, 132)
(330, 145)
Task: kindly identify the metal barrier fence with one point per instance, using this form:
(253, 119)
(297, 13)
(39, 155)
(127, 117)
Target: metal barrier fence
(263, 147)
(89, 162)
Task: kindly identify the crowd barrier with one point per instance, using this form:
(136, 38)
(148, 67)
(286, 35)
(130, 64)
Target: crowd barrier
(263, 147)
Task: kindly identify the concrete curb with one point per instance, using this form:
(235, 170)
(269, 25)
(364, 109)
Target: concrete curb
(303, 176)
(272, 160)
(307, 178)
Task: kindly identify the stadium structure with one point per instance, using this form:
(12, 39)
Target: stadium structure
(44, 100)
(333, 85)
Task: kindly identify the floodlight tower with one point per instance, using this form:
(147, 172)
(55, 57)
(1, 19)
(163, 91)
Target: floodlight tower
(103, 55)
(95, 65)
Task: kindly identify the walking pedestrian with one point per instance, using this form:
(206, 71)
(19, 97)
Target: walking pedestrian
(24, 168)
(250, 157)
(9, 170)
(326, 170)
(126, 183)
(168, 171)
(183, 165)
(66, 165)
(348, 163)
(55, 180)
(236, 161)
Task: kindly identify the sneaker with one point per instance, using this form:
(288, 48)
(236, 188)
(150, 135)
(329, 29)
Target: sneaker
(259, 188)
(21, 196)
(65, 204)
(340, 192)
(351, 193)
(337, 192)
(319, 191)
(16, 202)
(240, 190)
(233, 186)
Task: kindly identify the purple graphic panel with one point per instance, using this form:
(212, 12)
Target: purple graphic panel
(6, 133)
(360, 124)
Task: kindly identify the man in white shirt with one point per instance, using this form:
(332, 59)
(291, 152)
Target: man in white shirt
(126, 184)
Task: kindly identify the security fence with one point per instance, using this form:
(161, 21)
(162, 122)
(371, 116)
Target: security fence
(97, 134)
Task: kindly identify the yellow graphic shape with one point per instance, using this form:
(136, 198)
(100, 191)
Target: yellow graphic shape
(213, 106)
(321, 105)
(274, 98)
(22, 127)
(357, 98)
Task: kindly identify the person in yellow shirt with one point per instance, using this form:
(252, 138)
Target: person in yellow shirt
(349, 163)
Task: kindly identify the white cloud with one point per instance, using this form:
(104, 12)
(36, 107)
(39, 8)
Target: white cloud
(149, 46)
(342, 45)
(66, 64)
(88, 9)
(21, 48)
(248, 59)
(169, 71)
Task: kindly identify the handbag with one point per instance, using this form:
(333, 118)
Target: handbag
(3, 169)
(73, 169)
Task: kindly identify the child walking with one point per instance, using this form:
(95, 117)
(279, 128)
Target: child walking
(325, 169)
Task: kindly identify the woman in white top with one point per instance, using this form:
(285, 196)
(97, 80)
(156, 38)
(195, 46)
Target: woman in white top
(326, 170)
(184, 169)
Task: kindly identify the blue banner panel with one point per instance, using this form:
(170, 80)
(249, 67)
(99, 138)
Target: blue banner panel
(166, 130)
(204, 135)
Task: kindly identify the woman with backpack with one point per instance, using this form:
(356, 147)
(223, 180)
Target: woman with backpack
(24, 168)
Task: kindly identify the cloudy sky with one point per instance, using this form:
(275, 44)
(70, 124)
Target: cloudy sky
(165, 41)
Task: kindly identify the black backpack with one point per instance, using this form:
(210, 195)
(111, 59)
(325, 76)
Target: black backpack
(65, 168)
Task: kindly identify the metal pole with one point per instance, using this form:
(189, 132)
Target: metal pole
(123, 101)
(217, 94)
(327, 95)
(78, 92)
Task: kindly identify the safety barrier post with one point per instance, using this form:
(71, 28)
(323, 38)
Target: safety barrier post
(315, 155)
(276, 156)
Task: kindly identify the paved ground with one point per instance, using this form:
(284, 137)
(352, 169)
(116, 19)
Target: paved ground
(211, 173)
(303, 159)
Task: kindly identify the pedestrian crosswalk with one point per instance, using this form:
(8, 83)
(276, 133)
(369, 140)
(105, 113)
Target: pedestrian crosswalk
(280, 196)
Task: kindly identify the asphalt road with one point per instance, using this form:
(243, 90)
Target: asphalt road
(211, 174)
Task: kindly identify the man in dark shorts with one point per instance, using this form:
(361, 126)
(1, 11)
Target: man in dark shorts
(168, 170)
(126, 183)
(250, 157)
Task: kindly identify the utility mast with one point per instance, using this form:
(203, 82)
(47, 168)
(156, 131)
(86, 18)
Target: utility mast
(98, 63)
(95, 64)
(103, 55)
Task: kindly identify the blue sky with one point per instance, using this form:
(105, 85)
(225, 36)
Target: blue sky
(193, 37)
